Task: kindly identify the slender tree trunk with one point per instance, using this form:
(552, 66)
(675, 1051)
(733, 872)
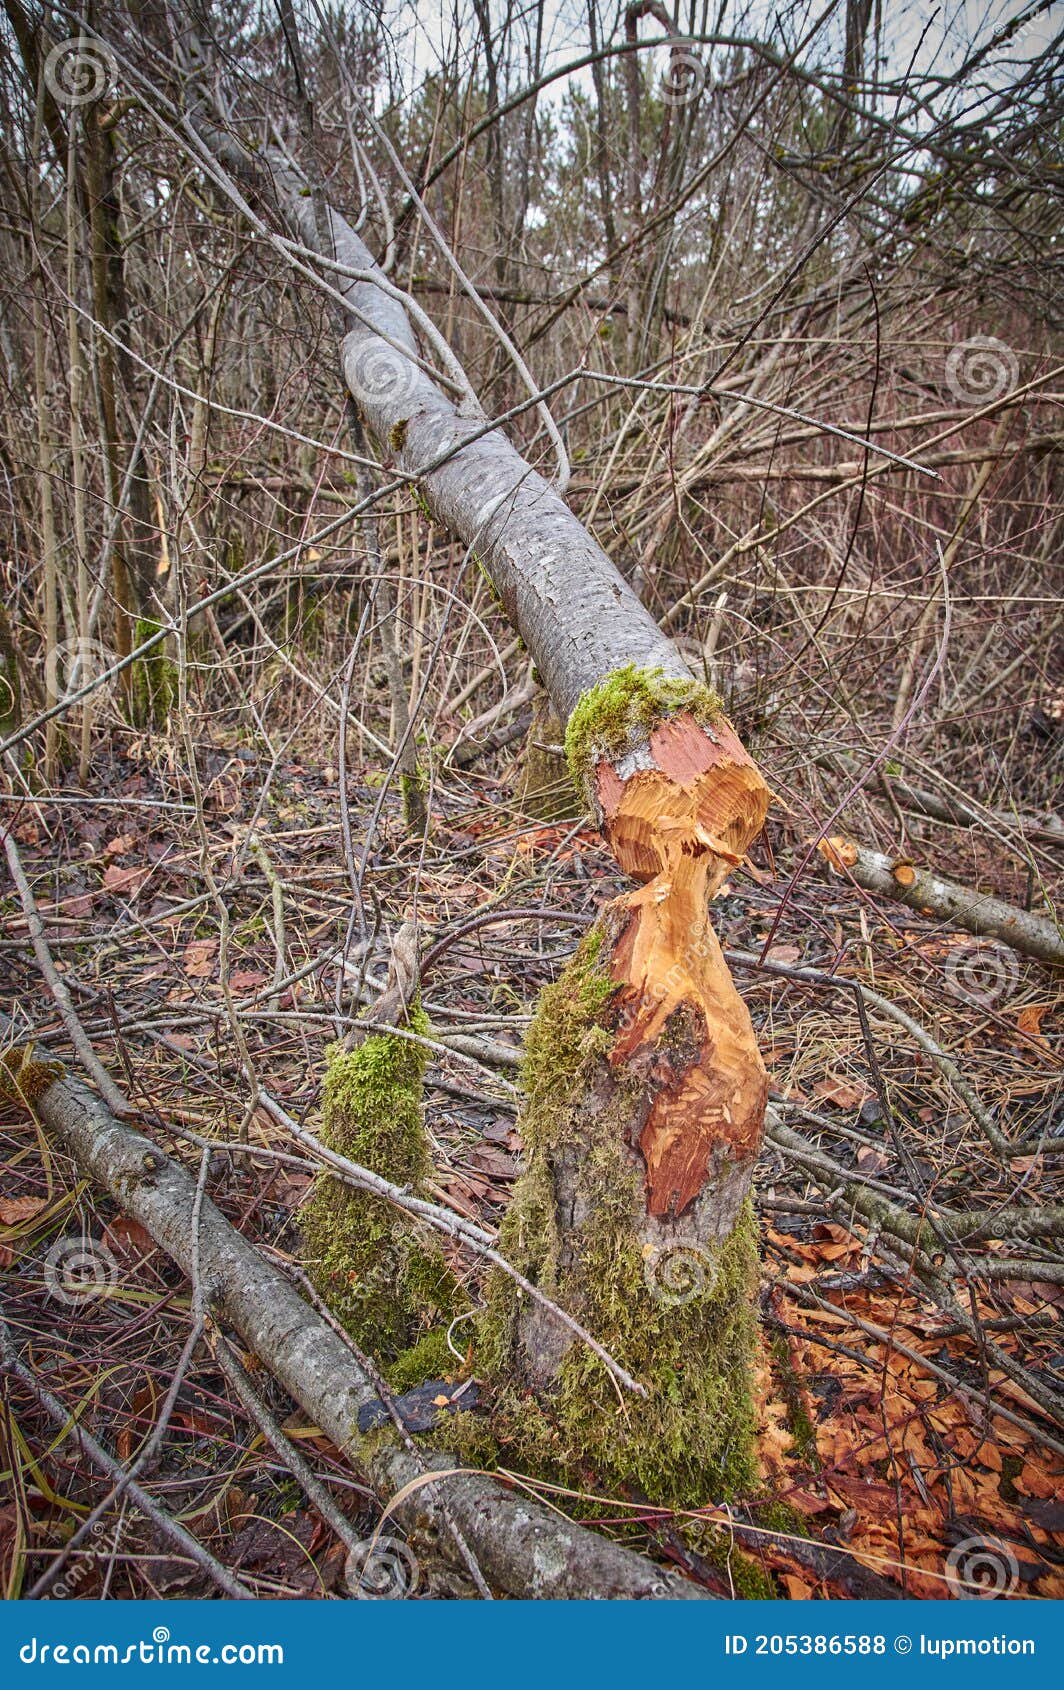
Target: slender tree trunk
(46, 505)
(10, 682)
(602, 151)
(78, 489)
(135, 558)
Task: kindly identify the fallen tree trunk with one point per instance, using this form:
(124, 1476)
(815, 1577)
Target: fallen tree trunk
(919, 889)
(523, 1549)
(659, 1074)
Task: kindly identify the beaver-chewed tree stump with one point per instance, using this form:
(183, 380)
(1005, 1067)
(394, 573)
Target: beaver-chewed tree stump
(645, 1091)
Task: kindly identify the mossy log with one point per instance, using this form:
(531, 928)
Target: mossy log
(383, 1276)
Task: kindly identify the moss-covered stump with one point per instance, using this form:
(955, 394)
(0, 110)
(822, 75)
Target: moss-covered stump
(545, 789)
(382, 1274)
(645, 1104)
(672, 1297)
(152, 679)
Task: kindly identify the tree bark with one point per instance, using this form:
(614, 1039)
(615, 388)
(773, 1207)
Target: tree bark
(135, 555)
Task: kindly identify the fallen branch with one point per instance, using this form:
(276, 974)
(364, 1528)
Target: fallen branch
(919, 889)
(951, 806)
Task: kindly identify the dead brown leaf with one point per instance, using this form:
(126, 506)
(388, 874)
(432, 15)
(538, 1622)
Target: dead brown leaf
(16, 1209)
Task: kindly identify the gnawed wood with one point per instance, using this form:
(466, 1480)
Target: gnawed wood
(693, 785)
(680, 813)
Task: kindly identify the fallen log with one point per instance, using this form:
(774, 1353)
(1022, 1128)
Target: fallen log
(919, 889)
(646, 1102)
(524, 1549)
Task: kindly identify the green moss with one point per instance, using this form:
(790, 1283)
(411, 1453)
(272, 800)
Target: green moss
(781, 1517)
(623, 709)
(153, 678)
(381, 1273)
(25, 1075)
(412, 790)
(801, 1426)
(485, 576)
(693, 1440)
(429, 1358)
(567, 1032)
(469, 1438)
(544, 789)
(1011, 1468)
(397, 434)
(750, 1581)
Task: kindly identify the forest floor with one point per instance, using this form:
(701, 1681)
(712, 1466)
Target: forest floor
(891, 1430)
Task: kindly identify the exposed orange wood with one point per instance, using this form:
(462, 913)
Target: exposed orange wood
(681, 824)
(838, 852)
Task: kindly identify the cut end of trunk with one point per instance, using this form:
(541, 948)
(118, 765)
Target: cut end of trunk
(680, 801)
(685, 1033)
(691, 791)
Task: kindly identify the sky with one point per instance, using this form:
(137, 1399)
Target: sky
(918, 38)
